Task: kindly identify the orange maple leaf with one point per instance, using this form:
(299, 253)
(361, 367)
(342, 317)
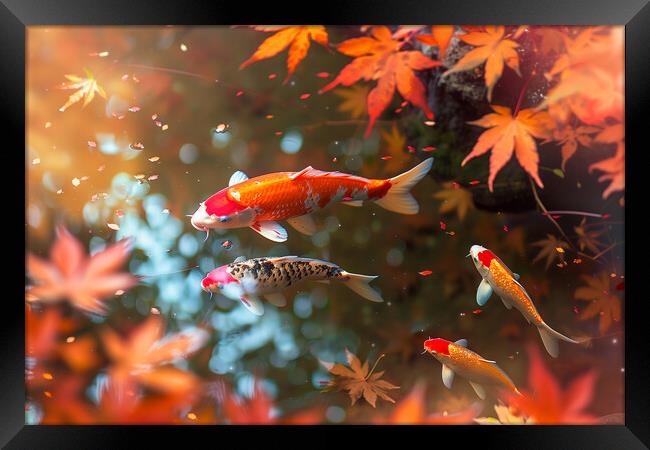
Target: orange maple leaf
(493, 49)
(602, 302)
(614, 167)
(297, 38)
(358, 381)
(259, 410)
(569, 137)
(412, 410)
(546, 403)
(378, 57)
(84, 281)
(439, 37)
(508, 134)
(143, 360)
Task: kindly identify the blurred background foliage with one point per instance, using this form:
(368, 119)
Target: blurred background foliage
(179, 117)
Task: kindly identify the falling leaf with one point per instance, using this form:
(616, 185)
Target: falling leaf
(86, 88)
(507, 134)
(354, 100)
(493, 49)
(454, 200)
(378, 57)
(545, 402)
(71, 275)
(549, 248)
(358, 381)
(439, 37)
(297, 38)
(603, 303)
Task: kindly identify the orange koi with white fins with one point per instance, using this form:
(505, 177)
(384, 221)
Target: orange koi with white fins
(497, 278)
(260, 202)
(457, 358)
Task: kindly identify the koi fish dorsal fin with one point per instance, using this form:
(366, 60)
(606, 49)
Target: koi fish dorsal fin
(461, 342)
(237, 178)
(301, 173)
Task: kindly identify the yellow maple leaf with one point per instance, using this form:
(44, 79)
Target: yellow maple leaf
(395, 144)
(493, 49)
(354, 100)
(86, 88)
(508, 134)
(454, 199)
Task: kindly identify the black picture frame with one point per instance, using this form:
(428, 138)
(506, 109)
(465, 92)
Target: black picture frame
(16, 15)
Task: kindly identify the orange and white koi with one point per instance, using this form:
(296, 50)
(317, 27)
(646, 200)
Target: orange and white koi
(457, 358)
(499, 279)
(260, 202)
(248, 279)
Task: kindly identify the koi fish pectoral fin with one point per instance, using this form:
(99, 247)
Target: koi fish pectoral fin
(480, 390)
(483, 293)
(271, 230)
(303, 224)
(447, 376)
(237, 178)
(516, 275)
(356, 203)
(277, 299)
(253, 304)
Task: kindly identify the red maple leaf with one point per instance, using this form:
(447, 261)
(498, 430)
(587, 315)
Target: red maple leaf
(378, 57)
(260, 410)
(546, 402)
(412, 410)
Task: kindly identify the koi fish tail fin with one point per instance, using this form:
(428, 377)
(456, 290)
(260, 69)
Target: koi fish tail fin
(550, 339)
(398, 198)
(361, 285)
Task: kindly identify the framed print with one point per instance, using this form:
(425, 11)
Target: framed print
(412, 214)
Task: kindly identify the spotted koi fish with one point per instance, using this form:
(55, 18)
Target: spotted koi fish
(498, 278)
(248, 279)
(457, 358)
(260, 202)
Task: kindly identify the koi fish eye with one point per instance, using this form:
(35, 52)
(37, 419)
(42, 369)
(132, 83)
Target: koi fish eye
(224, 219)
(219, 286)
